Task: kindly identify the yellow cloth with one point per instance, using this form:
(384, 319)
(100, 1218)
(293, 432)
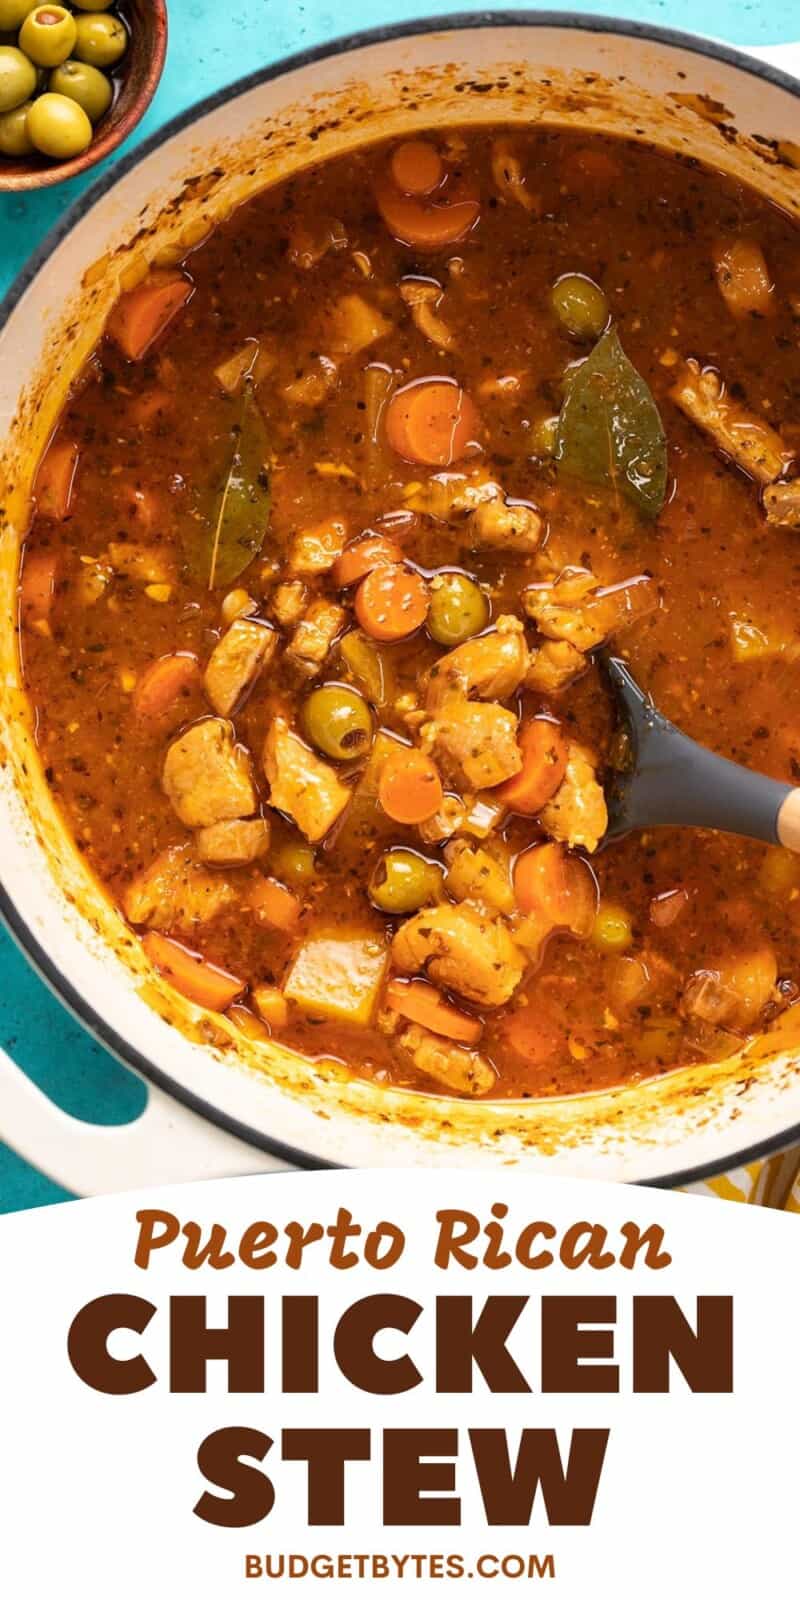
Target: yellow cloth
(774, 1182)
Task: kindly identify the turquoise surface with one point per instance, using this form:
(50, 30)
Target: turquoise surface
(210, 45)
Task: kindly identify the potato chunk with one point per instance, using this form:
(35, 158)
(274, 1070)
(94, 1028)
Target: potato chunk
(338, 976)
(208, 776)
(734, 992)
(236, 662)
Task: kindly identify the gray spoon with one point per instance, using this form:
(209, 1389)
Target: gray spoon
(666, 779)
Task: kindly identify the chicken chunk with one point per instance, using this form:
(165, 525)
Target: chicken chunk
(475, 744)
(490, 667)
(479, 875)
(586, 619)
(490, 520)
(782, 504)
(449, 496)
(422, 296)
(144, 563)
(233, 844)
(314, 636)
(454, 1067)
(315, 550)
(288, 603)
(301, 785)
(208, 776)
(445, 822)
(176, 892)
(754, 446)
(509, 178)
(500, 524)
(734, 992)
(461, 949)
(577, 813)
(555, 665)
(237, 662)
(743, 277)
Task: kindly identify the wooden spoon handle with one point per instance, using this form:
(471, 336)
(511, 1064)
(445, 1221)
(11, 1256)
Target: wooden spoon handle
(788, 821)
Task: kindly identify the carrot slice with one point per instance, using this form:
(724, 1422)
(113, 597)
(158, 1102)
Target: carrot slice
(163, 682)
(141, 315)
(417, 167)
(38, 585)
(274, 904)
(199, 980)
(588, 169)
(360, 558)
(557, 887)
(431, 421)
(409, 787)
(544, 762)
(55, 480)
(391, 603)
(421, 1003)
(533, 1037)
(417, 222)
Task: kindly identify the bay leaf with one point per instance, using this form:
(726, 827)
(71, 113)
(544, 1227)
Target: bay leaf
(223, 541)
(610, 431)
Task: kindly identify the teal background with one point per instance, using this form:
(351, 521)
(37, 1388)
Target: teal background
(210, 45)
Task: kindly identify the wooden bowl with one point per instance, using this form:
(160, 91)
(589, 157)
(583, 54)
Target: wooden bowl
(141, 68)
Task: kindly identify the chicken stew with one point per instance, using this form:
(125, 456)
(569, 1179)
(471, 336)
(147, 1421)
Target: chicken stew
(333, 525)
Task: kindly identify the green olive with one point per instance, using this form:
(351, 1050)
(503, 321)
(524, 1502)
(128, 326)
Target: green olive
(293, 862)
(459, 608)
(101, 39)
(402, 881)
(92, 5)
(544, 436)
(85, 85)
(580, 305)
(48, 34)
(14, 137)
(17, 77)
(612, 932)
(58, 127)
(338, 721)
(13, 14)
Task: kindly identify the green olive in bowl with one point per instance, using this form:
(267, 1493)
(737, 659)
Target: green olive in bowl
(17, 77)
(15, 139)
(86, 85)
(48, 35)
(101, 39)
(58, 127)
(13, 14)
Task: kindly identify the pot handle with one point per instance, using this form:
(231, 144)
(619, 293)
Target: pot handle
(167, 1144)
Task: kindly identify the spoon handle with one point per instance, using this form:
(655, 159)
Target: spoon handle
(676, 782)
(682, 783)
(788, 821)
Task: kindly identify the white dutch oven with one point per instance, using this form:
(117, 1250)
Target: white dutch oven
(255, 1107)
